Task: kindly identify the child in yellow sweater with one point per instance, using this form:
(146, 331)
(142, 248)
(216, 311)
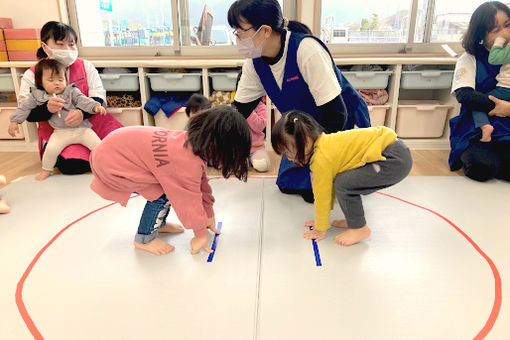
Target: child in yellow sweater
(347, 163)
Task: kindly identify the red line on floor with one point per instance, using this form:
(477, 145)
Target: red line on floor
(497, 278)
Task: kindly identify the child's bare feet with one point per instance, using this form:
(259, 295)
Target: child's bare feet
(156, 246)
(4, 208)
(486, 132)
(339, 224)
(172, 228)
(43, 175)
(352, 236)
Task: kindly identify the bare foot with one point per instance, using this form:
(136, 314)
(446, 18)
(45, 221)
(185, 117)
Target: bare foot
(172, 228)
(339, 224)
(156, 246)
(486, 133)
(43, 175)
(4, 208)
(352, 236)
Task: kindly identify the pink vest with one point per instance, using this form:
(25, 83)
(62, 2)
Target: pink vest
(101, 124)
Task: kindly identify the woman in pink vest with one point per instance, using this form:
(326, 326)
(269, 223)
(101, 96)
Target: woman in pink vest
(59, 42)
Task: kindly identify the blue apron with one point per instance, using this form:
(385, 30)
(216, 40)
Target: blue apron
(462, 127)
(295, 95)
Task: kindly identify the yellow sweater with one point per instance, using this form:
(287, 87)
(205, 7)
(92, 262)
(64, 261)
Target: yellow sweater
(339, 152)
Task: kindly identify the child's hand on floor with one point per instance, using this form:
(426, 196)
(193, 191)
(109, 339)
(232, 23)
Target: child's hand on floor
(99, 109)
(211, 224)
(198, 243)
(315, 234)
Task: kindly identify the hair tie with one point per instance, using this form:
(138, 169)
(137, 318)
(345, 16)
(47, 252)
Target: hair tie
(285, 22)
(295, 120)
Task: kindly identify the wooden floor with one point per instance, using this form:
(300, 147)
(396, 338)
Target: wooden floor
(426, 163)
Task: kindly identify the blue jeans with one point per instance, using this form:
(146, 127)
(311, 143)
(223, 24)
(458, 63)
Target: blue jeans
(153, 217)
(481, 118)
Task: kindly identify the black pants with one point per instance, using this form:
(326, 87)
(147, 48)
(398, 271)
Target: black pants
(484, 161)
(72, 166)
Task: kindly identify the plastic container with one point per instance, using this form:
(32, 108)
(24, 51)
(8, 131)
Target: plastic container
(6, 83)
(5, 114)
(427, 79)
(421, 119)
(127, 116)
(120, 81)
(224, 81)
(175, 82)
(377, 114)
(368, 79)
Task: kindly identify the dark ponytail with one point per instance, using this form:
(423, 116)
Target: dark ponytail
(263, 12)
(293, 129)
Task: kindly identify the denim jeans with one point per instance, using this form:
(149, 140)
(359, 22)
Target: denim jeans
(153, 217)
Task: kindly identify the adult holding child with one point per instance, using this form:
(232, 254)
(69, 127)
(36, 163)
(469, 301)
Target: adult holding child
(474, 78)
(59, 42)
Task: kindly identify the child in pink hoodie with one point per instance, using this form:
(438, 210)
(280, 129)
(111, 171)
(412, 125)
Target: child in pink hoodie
(168, 168)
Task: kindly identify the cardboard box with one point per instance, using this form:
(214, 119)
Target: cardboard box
(22, 55)
(22, 45)
(22, 34)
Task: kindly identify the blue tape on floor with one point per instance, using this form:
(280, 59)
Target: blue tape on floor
(215, 240)
(316, 252)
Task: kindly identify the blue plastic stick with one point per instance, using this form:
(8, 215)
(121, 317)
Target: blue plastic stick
(316, 252)
(215, 240)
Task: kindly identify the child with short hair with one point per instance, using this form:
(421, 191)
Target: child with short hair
(196, 103)
(347, 163)
(169, 168)
(4, 208)
(50, 81)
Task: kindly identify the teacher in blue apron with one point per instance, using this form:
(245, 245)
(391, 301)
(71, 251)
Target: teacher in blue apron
(296, 70)
(473, 78)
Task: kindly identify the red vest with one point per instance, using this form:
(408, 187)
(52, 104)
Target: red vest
(101, 124)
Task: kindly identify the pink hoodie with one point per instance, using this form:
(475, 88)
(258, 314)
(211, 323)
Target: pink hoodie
(152, 161)
(257, 123)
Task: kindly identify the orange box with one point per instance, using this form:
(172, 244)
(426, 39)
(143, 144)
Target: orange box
(3, 56)
(3, 48)
(5, 23)
(22, 45)
(22, 55)
(22, 34)
(1, 34)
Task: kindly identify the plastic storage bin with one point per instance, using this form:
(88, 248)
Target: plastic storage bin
(377, 114)
(368, 79)
(120, 81)
(224, 81)
(428, 79)
(421, 119)
(5, 114)
(127, 116)
(6, 83)
(175, 81)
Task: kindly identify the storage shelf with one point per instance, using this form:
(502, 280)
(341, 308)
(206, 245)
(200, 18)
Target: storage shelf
(206, 66)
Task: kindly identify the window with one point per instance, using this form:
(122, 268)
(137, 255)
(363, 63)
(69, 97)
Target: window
(375, 21)
(451, 19)
(124, 23)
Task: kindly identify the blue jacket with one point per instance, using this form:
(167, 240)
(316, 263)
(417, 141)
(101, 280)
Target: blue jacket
(295, 94)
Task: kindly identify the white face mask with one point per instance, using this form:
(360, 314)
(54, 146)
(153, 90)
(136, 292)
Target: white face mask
(247, 48)
(66, 57)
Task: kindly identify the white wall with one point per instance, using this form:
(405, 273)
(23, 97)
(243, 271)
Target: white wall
(29, 13)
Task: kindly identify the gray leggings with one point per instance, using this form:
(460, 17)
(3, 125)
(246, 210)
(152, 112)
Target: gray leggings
(350, 185)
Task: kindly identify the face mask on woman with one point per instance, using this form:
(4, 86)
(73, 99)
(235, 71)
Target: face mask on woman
(66, 57)
(247, 48)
